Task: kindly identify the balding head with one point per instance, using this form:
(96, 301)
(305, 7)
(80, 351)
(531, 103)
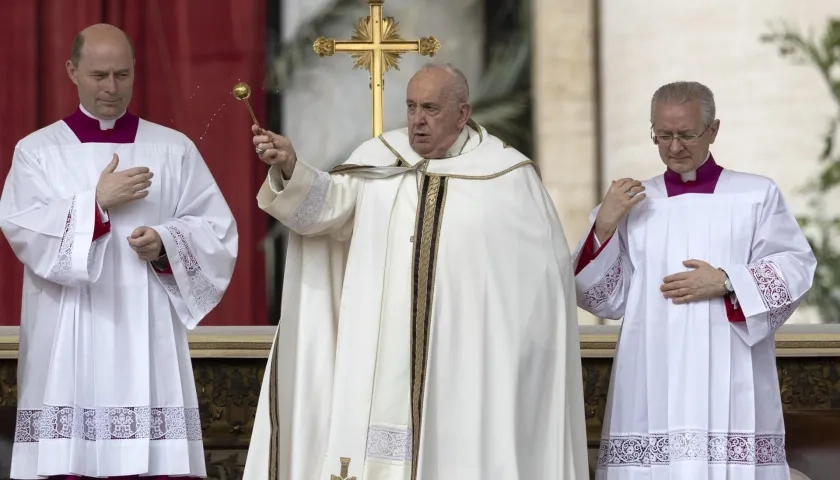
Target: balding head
(457, 81)
(438, 108)
(101, 65)
(98, 33)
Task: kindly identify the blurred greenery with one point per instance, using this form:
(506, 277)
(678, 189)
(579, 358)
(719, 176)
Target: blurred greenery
(822, 53)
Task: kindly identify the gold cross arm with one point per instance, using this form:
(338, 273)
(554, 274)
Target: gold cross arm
(425, 46)
(376, 46)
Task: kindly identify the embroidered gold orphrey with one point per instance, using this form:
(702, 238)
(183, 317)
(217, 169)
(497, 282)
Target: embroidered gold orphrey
(426, 240)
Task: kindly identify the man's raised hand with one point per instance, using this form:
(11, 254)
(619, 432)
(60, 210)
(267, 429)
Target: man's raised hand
(623, 195)
(275, 150)
(116, 188)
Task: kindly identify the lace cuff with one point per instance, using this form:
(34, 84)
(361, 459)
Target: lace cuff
(76, 251)
(763, 296)
(191, 289)
(301, 202)
(598, 280)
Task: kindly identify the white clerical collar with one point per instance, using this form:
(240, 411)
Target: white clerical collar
(103, 124)
(692, 175)
(460, 143)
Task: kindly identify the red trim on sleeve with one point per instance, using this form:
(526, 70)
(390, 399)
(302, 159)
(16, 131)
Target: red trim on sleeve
(588, 252)
(100, 228)
(733, 313)
(166, 271)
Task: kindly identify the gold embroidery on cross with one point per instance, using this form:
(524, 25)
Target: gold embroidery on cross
(345, 469)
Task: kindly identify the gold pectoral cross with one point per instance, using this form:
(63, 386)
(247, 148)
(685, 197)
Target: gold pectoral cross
(376, 46)
(345, 467)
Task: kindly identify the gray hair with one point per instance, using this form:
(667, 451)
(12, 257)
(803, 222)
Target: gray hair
(460, 85)
(677, 93)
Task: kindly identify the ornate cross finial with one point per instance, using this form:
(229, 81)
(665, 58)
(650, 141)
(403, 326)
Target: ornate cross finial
(376, 46)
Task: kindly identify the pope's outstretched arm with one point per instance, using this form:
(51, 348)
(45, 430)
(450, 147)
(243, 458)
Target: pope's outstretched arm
(312, 202)
(305, 199)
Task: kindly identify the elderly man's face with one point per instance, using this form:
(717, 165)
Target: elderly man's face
(104, 76)
(675, 126)
(435, 116)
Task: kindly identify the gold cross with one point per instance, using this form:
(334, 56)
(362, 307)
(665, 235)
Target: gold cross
(376, 46)
(345, 467)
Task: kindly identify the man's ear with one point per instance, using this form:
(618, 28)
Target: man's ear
(466, 112)
(714, 127)
(71, 72)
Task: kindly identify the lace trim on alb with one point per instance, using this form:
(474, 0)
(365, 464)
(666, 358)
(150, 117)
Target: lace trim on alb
(389, 444)
(61, 271)
(605, 288)
(310, 209)
(204, 294)
(642, 450)
(107, 423)
(774, 293)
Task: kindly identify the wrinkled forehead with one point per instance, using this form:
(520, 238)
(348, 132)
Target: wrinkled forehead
(678, 116)
(108, 56)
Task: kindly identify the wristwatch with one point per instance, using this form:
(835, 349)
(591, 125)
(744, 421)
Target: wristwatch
(727, 284)
(161, 263)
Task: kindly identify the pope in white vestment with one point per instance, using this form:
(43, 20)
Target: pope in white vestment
(694, 392)
(105, 382)
(429, 326)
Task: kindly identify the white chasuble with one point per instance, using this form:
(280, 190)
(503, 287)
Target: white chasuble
(694, 395)
(105, 382)
(429, 328)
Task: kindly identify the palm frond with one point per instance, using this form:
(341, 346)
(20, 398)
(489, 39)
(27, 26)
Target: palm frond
(504, 71)
(821, 228)
(502, 116)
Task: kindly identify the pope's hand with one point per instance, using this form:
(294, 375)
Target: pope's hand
(146, 242)
(622, 196)
(116, 188)
(275, 150)
(702, 283)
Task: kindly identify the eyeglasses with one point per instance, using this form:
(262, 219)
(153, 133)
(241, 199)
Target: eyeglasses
(683, 138)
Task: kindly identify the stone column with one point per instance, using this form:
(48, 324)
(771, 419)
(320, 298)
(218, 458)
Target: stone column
(565, 111)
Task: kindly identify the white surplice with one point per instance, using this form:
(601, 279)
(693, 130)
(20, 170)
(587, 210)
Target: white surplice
(452, 274)
(105, 382)
(693, 395)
